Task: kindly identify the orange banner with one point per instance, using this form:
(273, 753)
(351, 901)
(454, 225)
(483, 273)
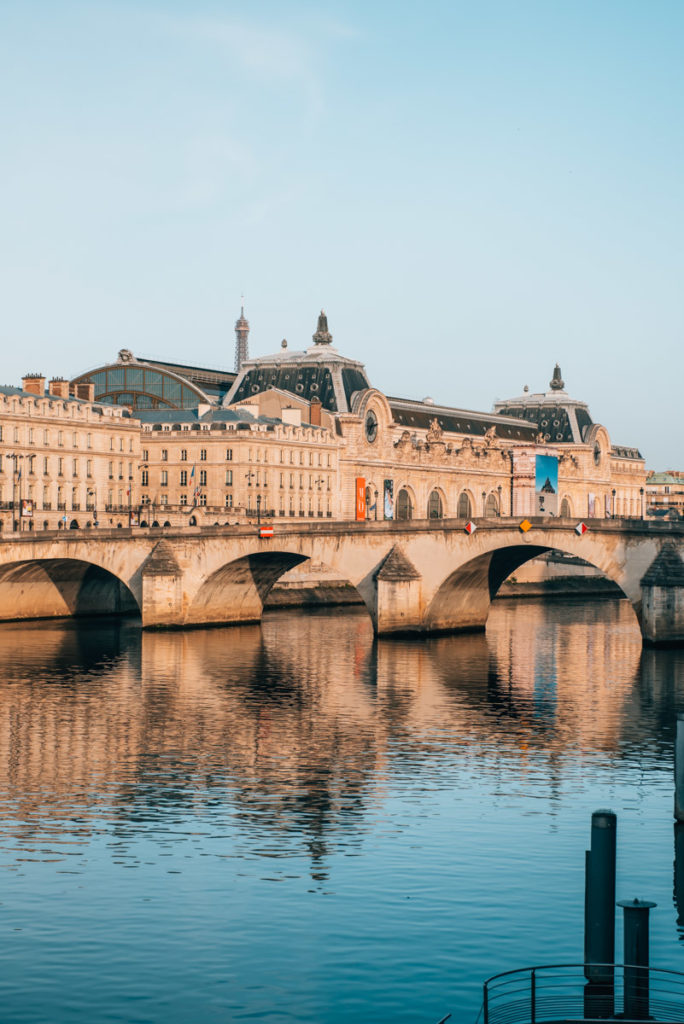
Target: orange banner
(360, 497)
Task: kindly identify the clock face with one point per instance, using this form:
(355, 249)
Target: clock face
(371, 426)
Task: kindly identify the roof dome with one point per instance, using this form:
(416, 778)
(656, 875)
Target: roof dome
(318, 372)
(560, 418)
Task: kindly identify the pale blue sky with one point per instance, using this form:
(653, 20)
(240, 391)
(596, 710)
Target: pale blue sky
(472, 192)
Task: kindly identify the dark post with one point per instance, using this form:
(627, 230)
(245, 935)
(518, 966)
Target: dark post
(679, 769)
(258, 509)
(636, 958)
(679, 872)
(599, 916)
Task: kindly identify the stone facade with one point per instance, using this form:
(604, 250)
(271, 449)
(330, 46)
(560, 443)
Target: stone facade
(64, 461)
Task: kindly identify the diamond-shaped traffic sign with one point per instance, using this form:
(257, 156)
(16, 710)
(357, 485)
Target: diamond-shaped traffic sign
(525, 525)
(470, 527)
(581, 528)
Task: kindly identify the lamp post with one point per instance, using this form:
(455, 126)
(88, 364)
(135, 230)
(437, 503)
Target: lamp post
(376, 506)
(612, 513)
(258, 509)
(643, 510)
(93, 492)
(16, 491)
(248, 477)
(499, 489)
(484, 504)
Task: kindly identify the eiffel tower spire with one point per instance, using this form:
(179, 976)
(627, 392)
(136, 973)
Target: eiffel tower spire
(241, 338)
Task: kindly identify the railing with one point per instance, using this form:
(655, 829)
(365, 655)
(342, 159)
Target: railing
(560, 992)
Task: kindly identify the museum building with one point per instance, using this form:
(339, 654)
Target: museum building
(305, 434)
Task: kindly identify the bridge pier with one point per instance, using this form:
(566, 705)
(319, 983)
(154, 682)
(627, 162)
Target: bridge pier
(399, 603)
(662, 600)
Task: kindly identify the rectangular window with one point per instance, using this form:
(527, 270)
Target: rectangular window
(46, 465)
(46, 437)
(164, 455)
(89, 467)
(164, 499)
(229, 478)
(121, 476)
(229, 500)
(89, 440)
(74, 467)
(282, 479)
(184, 478)
(203, 455)
(203, 478)
(183, 499)
(121, 440)
(202, 499)
(60, 467)
(164, 478)
(145, 478)
(229, 454)
(184, 455)
(74, 440)
(31, 435)
(146, 455)
(60, 438)
(111, 470)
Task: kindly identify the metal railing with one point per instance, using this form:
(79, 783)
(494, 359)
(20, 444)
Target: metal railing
(560, 992)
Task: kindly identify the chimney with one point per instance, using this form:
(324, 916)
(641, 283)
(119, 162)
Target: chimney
(58, 387)
(34, 383)
(315, 412)
(86, 392)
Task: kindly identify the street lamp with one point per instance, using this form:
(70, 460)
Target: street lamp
(376, 505)
(16, 480)
(93, 492)
(484, 506)
(643, 511)
(613, 505)
(258, 509)
(499, 489)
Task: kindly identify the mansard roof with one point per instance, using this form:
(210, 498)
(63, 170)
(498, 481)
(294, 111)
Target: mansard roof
(409, 413)
(560, 418)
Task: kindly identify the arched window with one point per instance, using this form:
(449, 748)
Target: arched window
(435, 508)
(404, 505)
(464, 510)
(491, 506)
(565, 510)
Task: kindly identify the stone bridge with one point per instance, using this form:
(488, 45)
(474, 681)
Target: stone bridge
(414, 577)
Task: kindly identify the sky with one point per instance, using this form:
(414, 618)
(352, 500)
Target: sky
(472, 191)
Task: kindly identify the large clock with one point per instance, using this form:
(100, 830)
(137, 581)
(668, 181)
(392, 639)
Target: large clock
(371, 426)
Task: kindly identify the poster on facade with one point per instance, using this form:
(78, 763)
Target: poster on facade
(546, 485)
(360, 497)
(388, 499)
(134, 519)
(591, 505)
(26, 508)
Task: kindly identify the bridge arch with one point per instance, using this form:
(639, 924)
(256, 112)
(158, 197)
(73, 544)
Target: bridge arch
(463, 598)
(45, 588)
(237, 590)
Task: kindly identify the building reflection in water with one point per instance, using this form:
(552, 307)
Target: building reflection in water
(288, 732)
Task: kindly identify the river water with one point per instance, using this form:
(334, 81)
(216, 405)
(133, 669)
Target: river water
(298, 823)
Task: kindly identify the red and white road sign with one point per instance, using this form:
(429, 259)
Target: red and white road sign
(581, 528)
(470, 527)
(265, 531)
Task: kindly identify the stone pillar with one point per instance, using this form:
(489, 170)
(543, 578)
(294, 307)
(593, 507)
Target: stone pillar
(662, 600)
(399, 596)
(162, 589)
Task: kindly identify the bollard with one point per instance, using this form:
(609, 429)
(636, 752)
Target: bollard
(637, 996)
(679, 871)
(599, 916)
(679, 769)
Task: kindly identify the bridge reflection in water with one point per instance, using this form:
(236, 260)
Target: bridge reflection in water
(436, 790)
